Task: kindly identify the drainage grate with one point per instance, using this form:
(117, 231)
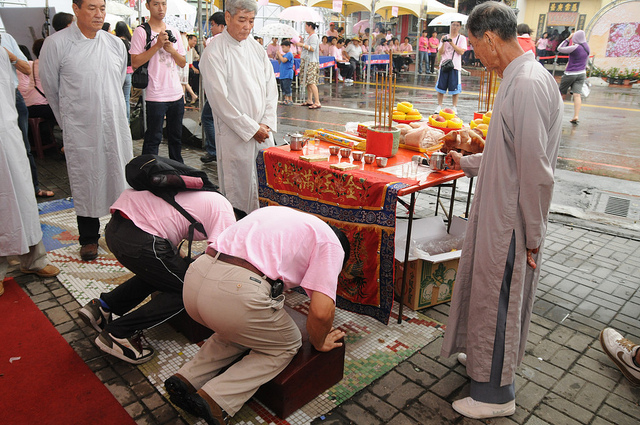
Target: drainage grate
(617, 206)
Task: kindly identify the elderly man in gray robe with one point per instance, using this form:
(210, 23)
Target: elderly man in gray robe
(241, 88)
(82, 71)
(497, 276)
(20, 232)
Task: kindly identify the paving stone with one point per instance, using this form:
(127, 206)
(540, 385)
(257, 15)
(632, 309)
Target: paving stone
(401, 396)
(552, 416)
(135, 409)
(387, 384)
(432, 407)
(143, 389)
(617, 417)
(564, 357)
(447, 385)
(165, 413)
(602, 366)
(569, 386)
(147, 419)
(561, 335)
(36, 287)
(415, 374)
(106, 374)
(569, 408)
(429, 365)
(557, 313)
(376, 406)
(540, 320)
(357, 414)
(57, 315)
(530, 395)
(592, 376)
(579, 342)
(402, 419)
(122, 392)
(42, 297)
(153, 401)
(591, 397)
(534, 420)
(543, 367)
(545, 350)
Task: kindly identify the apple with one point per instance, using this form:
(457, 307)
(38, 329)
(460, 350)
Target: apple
(440, 119)
(450, 111)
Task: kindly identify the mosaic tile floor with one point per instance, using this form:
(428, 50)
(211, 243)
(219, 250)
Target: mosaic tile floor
(372, 349)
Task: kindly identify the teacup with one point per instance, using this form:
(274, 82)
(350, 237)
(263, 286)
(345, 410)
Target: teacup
(369, 158)
(345, 152)
(357, 155)
(381, 161)
(333, 150)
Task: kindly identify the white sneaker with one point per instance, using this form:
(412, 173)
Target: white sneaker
(438, 109)
(478, 410)
(462, 359)
(621, 351)
(340, 78)
(348, 80)
(455, 110)
(129, 349)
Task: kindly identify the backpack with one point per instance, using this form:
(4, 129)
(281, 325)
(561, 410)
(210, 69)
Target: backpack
(165, 178)
(140, 77)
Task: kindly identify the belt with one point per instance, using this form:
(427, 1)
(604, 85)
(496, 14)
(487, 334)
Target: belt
(240, 262)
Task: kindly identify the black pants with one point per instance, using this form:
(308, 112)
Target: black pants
(88, 230)
(157, 266)
(346, 70)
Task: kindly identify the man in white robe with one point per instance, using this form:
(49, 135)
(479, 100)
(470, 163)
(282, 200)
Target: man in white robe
(241, 88)
(20, 232)
(83, 70)
(497, 276)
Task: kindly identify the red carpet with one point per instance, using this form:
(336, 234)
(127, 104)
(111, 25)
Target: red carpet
(42, 380)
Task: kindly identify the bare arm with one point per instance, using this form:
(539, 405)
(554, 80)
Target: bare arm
(21, 65)
(320, 321)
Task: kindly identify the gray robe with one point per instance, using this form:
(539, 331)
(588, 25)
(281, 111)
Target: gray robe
(241, 87)
(82, 79)
(513, 195)
(20, 224)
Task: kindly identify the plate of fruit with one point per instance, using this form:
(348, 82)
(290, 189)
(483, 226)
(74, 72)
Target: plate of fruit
(404, 113)
(482, 124)
(446, 120)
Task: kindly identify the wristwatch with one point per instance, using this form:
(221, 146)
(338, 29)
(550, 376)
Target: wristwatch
(14, 62)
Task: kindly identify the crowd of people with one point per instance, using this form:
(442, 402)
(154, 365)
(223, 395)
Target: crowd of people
(235, 288)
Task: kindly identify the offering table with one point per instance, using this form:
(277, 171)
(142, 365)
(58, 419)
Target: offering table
(362, 202)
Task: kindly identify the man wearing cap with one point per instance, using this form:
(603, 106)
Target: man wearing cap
(354, 50)
(332, 31)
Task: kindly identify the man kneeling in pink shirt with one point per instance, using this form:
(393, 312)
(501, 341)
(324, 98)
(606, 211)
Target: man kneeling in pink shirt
(236, 290)
(143, 234)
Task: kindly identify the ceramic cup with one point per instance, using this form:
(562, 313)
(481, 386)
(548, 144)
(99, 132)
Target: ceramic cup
(357, 155)
(345, 152)
(333, 150)
(369, 158)
(381, 161)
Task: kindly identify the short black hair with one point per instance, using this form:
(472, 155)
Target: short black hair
(523, 29)
(61, 20)
(285, 43)
(122, 30)
(344, 241)
(495, 17)
(218, 18)
(25, 51)
(312, 25)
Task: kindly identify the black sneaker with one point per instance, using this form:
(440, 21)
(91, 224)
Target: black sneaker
(129, 349)
(208, 158)
(92, 314)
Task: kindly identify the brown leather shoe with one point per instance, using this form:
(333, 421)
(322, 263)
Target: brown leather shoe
(47, 271)
(202, 405)
(89, 252)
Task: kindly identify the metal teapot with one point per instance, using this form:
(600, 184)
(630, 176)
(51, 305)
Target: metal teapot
(296, 141)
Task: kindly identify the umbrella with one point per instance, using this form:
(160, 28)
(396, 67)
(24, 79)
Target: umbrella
(348, 6)
(181, 24)
(445, 19)
(434, 7)
(284, 3)
(407, 7)
(360, 26)
(277, 31)
(116, 8)
(300, 13)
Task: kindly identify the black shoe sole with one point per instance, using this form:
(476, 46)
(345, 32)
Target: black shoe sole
(178, 391)
(198, 406)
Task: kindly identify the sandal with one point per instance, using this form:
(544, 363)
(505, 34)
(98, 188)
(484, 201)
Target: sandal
(306, 104)
(574, 121)
(45, 194)
(315, 106)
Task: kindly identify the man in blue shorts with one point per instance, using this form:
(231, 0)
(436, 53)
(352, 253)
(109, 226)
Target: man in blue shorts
(452, 46)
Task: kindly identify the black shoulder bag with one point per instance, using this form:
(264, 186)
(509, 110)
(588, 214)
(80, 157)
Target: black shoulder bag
(140, 77)
(447, 66)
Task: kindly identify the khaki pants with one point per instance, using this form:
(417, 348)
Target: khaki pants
(35, 259)
(237, 305)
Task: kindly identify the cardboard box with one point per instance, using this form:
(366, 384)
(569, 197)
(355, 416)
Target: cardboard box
(430, 278)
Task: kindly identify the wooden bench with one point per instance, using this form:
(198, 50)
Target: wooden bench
(309, 374)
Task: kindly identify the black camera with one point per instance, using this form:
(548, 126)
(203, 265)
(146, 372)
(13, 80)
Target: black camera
(172, 38)
(444, 40)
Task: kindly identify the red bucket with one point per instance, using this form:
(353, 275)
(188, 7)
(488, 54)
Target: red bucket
(383, 141)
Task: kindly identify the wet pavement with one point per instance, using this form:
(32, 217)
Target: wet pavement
(589, 278)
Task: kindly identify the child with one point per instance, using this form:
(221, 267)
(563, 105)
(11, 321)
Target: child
(286, 70)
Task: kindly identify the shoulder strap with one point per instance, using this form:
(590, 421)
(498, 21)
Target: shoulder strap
(35, 84)
(195, 224)
(147, 29)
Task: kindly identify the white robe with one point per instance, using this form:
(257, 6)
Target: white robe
(20, 224)
(513, 195)
(241, 87)
(82, 79)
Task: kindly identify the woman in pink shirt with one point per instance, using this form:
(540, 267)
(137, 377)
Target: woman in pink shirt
(365, 46)
(432, 47)
(324, 46)
(423, 51)
(272, 48)
(382, 47)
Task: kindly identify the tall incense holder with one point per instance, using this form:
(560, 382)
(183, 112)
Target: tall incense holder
(383, 138)
(489, 85)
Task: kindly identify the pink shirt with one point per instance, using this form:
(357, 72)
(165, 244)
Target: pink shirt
(324, 49)
(336, 53)
(27, 87)
(157, 217)
(380, 50)
(271, 50)
(433, 41)
(406, 47)
(164, 78)
(287, 244)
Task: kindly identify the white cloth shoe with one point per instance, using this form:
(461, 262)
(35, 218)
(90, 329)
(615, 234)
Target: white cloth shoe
(478, 410)
(455, 110)
(340, 78)
(438, 109)
(621, 351)
(348, 80)
(462, 359)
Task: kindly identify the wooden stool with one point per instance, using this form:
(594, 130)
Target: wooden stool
(34, 129)
(194, 331)
(310, 373)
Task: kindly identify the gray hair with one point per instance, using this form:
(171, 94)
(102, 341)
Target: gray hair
(495, 17)
(235, 6)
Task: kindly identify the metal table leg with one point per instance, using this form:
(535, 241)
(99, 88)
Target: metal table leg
(412, 205)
